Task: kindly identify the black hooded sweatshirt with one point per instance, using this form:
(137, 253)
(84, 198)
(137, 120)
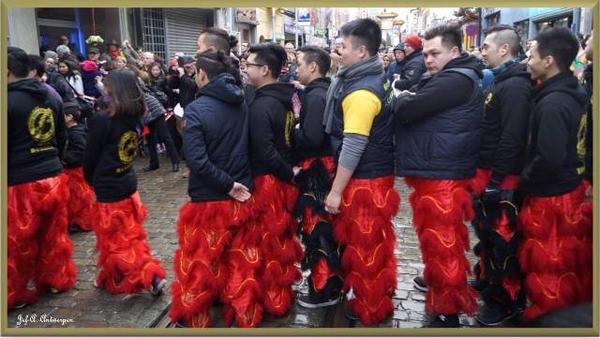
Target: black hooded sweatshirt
(36, 133)
(310, 140)
(504, 125)
(271, 131)
(77, 139)
(554, 163)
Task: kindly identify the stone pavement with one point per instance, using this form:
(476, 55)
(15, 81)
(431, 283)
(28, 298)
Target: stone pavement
(164, 193)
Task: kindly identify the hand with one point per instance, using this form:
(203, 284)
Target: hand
(492, 195)
(296, 170)
(180, 71)
(332, 203)
(396, 76)
(239, 192)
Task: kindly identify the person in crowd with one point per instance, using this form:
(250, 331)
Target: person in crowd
(588, 84)
(362, 195)
(39, 250)
(556, 252)
(57, 81)
(288, 72)
(148, 60)
(385, 58)
(73, 50)
(414, 67)
(438, 136)
(81, 195)
(120, 62)
(125, 263)
(396, 66)
(155, 121)
(37, 70)
(90, 73)
(271, 130)
(222, 265)
(313, 153)
(158, 82)
(70, 72)
(503, 137)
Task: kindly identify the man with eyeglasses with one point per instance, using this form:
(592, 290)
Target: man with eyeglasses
(271, 138)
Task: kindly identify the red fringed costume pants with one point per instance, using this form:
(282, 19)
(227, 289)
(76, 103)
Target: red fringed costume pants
(321, 253)
(440, 208)
(81, 199)
(39, 248)
(279, 245)
(125, 264)
(217, 259)
(496, 227)
(556, 254)
(364, 227)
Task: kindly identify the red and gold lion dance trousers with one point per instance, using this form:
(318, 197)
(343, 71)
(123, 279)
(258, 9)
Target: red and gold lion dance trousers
(556, 254)
(125, 264)
(364, 227)
(217, 260)
(81, 199)
(39, 248)
(440, 208)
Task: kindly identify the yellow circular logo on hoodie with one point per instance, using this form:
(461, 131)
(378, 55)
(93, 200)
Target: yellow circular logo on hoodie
(128, 145)
(41, 124)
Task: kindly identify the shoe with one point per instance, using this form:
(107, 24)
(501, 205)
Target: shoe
(493, 314)
(180, 324)
(96, 285)
(175, 167)
(350, 314)
(477, 284)
(151, 168)
(158, 284)
(307, 302)
(445, 321)
(19, 305)
(73, 229)
(54, 290)
(419, 284)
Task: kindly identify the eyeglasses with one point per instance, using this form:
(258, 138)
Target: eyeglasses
(254, 64)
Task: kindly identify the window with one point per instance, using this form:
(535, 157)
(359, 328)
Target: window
(154, 31)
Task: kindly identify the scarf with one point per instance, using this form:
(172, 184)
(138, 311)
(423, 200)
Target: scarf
(370, 66)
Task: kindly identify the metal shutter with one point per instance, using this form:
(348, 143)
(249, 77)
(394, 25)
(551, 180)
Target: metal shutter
(183, 26)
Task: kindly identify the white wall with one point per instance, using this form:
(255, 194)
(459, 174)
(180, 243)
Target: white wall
(22, 29)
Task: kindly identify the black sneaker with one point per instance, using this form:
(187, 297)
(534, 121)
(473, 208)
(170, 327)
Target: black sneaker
(307, 302)
(179, 324)
(445, 321)
(419, 284)
(73, 229)
(349, 314)
(158, 284)
(493, 314)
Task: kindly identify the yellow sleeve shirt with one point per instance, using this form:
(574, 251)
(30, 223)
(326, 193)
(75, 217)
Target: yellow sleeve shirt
(360, 109)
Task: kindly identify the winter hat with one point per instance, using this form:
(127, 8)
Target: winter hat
(51, 54)
(93, 50)
(88, 66)
(414, 41)
(399, 46)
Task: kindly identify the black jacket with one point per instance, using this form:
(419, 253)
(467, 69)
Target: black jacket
(271, 130)
(36, 133)
(187, 90)
(395, 68)
(438, 128)
(589, 125)
(554, 163)
(216, 140)
(75, 150)
(111, 148)
(311, 140)
(412, 71)
(504, 125)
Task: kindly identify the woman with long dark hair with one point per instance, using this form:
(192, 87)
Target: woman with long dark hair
(218, 255)
(125, 264)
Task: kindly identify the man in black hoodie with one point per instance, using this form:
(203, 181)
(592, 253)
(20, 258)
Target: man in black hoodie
(39, 249)
(504, 128)
(437, 139)
(312, 150)
(556, 251)
(271, 137)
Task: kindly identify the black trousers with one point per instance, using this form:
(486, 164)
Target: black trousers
(158, 128)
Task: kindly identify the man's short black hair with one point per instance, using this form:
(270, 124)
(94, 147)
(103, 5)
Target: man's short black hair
(317, 55)
(450, 34)
(363, 32)
(270, 54)
(560, 43)
(18, 62)
(38, 64)
(506, 34)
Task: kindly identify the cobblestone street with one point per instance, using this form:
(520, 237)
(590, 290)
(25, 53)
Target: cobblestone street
(164, 193)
